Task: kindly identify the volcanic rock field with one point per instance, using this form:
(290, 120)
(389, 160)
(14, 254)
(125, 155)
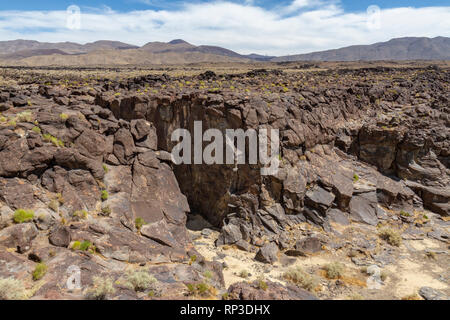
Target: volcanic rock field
(359, 208)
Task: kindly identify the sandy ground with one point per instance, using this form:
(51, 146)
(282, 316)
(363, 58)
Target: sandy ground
(411, 270)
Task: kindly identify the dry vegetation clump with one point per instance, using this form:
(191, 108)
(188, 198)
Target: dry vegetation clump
(100, 289)
(12, 289)
(301, 278)
(140, 280)
(201, 289)
(390, 236)
(334, 270)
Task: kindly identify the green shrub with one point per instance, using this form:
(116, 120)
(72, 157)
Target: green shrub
(12, 289)
(106, 210)
(208, 274)
(301, 278)
(355, 178)
(101, 288)
(85, 245)
(36, 129)
(390, 236)
(262, 284)
(76, 245)
(140, 280)
(191, 288)
(22, 215)
(105, 168)
(139, 222)
(39, 271)
(105, 195)
(82, 214)
(202, 288)
(405, 214)
(334, 270)
(63, 116)
(49, 138)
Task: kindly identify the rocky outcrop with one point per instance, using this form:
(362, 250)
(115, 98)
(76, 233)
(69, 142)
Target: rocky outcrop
(94, 164)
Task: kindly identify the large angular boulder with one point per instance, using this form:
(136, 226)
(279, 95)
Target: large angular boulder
(363, 208)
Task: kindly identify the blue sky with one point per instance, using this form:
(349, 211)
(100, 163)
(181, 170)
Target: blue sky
(129, 5)
(246, 26)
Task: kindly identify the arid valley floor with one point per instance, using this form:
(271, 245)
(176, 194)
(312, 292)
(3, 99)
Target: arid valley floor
(359, 208)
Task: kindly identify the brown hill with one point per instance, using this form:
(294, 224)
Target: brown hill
(396, 49)
(34, 53)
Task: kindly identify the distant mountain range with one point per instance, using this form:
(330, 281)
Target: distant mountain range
(34, 53)
(396, 49)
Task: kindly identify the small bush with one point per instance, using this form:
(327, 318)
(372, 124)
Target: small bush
(200, 289)
(54, 205)
(355, 178)
(105, 195)
(390, 236)
(101, 288)
(244, 274)
(140, 280)
(208, 274)
(36, 129)
(106, 210)
(39, 271)
(262, 284)
(76, 245)
(49, 138)
(25, 116)
(105, 168)
(405, 214)
(191, 288)
(60, 198)
(334, 270)
(12, 289)
(139, 222)
(81, 214)
(63, 116)
(85, 245)
(301, 278)
(22, 215)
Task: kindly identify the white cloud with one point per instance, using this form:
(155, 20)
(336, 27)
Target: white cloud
(243, 27)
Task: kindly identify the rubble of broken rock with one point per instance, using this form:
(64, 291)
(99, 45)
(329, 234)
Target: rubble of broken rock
(86, 180)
